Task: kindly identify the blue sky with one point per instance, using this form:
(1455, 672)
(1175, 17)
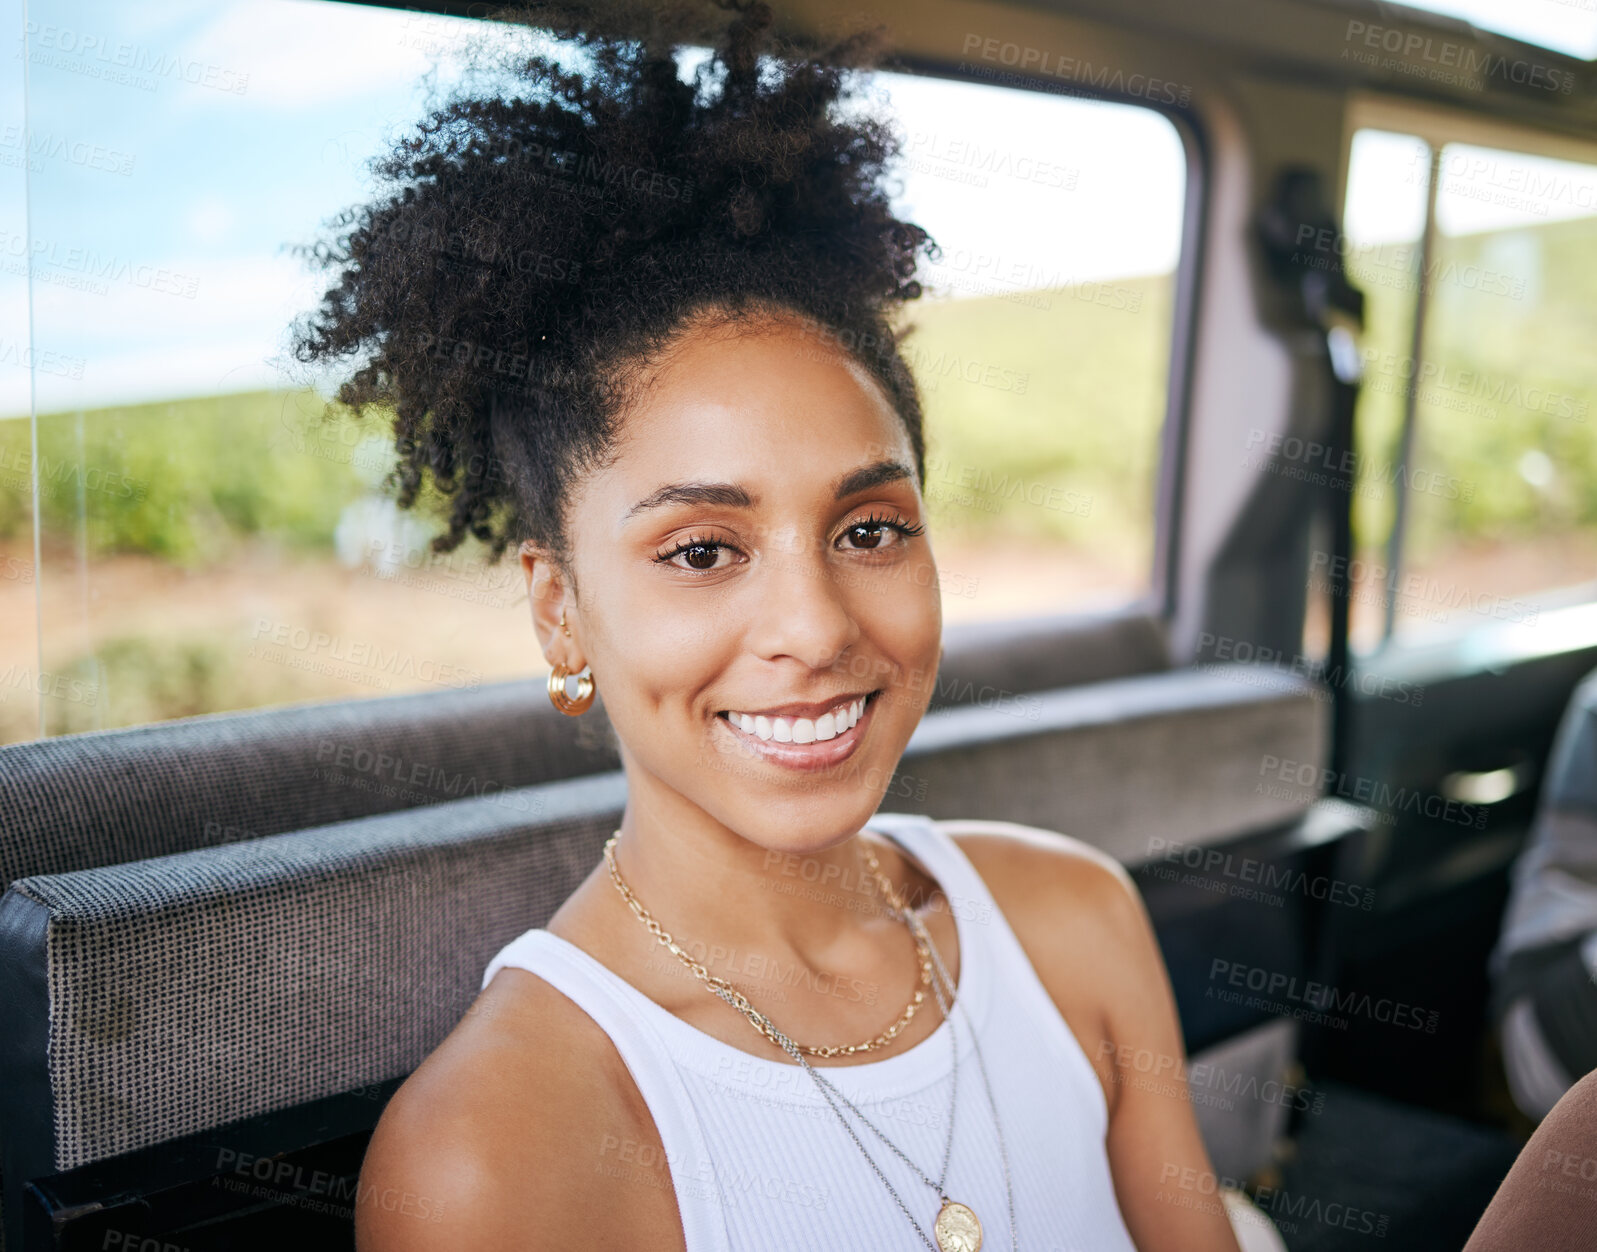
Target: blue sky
(246, 123)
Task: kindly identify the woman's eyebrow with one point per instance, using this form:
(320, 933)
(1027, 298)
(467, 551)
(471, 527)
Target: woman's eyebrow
(728, 494)
(872, 475)
(732, 495)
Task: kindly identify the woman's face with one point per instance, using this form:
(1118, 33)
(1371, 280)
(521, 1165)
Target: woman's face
(754, 557)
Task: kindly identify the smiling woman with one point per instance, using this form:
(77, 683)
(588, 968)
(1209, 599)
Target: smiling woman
(709, 451)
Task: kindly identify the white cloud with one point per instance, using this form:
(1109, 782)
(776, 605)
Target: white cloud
(211, 218)
(308, 53)
(162, 344)
(1484, 189)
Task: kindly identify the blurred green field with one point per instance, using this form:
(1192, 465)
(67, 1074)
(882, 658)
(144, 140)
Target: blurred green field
(1508, 370)
(1024, 404)
(1042, 414)
(1062, 442)
(186, 480)
(1077, 390)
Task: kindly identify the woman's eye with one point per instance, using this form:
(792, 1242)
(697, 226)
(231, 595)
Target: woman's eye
(868, 534)
(702, 555)
(699, 555)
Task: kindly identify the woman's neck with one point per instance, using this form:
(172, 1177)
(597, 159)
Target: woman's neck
(739, 907)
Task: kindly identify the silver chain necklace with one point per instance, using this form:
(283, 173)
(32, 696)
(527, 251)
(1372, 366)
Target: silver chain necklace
(957, 1228)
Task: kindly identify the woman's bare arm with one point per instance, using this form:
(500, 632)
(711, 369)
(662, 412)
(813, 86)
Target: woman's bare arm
(521, 1131)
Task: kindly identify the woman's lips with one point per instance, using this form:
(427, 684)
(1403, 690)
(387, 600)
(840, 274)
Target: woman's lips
(802, 756)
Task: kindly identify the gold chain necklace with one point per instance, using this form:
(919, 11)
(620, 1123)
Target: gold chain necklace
(956, 1228)
(724, 990)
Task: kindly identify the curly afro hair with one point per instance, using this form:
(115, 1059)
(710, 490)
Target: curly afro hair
(530, 253)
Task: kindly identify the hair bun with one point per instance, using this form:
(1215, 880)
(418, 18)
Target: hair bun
(532, 242)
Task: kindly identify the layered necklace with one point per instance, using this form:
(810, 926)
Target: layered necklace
(956, 1227)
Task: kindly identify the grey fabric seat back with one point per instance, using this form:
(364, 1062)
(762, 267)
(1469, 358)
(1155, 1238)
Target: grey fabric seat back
(104, 797)
(263, 974)
(101, 798)
(270, 971)
(1189, 756)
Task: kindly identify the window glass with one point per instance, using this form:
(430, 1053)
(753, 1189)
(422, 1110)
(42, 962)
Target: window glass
(1489, 512)
(19, 636)
(207, 541)
(1506, 421)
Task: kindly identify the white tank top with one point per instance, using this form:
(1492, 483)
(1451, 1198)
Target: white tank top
(759, 1161)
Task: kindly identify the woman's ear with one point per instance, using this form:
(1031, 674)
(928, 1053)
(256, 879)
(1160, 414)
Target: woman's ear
(552, 603)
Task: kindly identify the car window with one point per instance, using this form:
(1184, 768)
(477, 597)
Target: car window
(1476, 491)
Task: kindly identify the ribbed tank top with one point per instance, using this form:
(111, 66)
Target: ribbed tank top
(760, 1162)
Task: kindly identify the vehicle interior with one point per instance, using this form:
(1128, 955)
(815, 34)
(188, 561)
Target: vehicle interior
(1263, 472)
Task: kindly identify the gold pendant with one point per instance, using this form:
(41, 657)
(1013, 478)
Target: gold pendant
(957, 1229)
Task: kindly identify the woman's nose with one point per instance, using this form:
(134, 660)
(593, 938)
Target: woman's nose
(803, 607)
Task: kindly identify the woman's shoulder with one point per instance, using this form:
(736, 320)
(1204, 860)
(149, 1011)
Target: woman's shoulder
(506, 1128)
(1080, 920)
(1028, 867)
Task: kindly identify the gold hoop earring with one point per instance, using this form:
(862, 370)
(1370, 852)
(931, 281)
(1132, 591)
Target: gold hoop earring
(557, 691)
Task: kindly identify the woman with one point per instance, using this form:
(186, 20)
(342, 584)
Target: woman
(646, 328)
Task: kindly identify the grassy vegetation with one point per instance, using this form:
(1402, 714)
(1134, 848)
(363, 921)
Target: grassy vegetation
(1042, 412)
(185, 479)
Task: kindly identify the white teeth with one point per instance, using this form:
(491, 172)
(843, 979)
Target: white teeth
(800, 729)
